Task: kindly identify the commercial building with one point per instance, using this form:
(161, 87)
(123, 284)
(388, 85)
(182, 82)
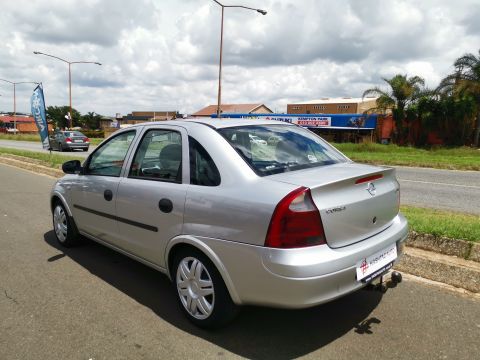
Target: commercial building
(344, 105)
(332, 127)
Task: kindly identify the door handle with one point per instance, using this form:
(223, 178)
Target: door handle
(108, 195)
(165, 205)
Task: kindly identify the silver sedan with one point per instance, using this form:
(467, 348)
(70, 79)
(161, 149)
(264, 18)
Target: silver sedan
(288, 223)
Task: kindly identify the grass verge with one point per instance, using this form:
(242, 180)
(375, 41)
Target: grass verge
(443, 223)
(36, 138)
(462, 158)
(51, 160)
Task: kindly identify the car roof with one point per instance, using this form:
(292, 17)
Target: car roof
(215, 123)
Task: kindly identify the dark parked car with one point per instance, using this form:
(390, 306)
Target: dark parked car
(69, 140)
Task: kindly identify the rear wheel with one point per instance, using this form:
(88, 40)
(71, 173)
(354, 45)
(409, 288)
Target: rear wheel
(65, 230)
(201, 291)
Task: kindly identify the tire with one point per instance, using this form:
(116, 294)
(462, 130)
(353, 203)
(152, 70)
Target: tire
(85, 149)
(64, 227)
(60, 147)
(213, 308)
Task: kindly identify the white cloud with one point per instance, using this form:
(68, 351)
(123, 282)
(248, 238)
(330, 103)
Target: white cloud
(163, 54)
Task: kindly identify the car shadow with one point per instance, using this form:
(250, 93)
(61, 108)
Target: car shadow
(257, 332)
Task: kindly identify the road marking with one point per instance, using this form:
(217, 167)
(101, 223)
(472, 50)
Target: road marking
(438, 183)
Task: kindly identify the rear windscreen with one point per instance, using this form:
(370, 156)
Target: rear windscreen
(274, 149)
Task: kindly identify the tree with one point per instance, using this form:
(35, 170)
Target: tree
(57, 115)
(450, 117)
(91, 120)
(403, 92)
(465, 81)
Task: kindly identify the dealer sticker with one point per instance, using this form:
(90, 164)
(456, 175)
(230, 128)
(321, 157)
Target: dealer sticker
(378, 261)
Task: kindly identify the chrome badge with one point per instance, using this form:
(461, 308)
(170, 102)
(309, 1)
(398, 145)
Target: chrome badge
(372, 189)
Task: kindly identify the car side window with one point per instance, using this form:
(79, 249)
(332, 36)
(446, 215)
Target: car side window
(158, 157)
(203, 170)
(108, 160)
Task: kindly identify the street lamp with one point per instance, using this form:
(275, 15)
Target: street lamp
(69, 76)
(15, 100)
(219, 99)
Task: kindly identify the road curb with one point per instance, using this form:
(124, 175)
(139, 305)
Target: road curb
(446, 269)
(443, 245)
(30, 164)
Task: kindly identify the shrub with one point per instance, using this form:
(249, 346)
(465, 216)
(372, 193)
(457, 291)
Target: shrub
(94, 133)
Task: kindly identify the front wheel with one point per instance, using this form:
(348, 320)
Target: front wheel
(65, 230)
(201, 291)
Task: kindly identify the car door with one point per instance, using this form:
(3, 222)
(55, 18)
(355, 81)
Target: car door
(94, 191)
(151, 197)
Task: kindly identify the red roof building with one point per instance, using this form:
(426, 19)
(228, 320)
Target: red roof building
(25, 124)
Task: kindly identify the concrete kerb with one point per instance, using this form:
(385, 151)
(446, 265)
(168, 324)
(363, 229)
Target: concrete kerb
(450, 261)
(30, 164)
(453, 247)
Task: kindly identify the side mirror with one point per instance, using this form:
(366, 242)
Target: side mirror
(72, 167)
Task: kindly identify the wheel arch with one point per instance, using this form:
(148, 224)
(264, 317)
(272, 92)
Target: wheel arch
(57, 197)
(185, 242)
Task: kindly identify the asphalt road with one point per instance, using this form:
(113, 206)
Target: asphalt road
(92, 303)
(440, 189)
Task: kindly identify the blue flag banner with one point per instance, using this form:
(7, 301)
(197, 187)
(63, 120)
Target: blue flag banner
(37, 102)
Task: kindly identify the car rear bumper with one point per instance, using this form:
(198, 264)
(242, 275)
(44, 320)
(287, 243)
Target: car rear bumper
(298, 278)
(76, 146)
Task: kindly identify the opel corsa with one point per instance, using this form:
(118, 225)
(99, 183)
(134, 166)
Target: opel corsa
(232, 220)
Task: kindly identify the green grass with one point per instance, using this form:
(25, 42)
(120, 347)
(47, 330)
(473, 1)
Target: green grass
(443, 223)
(36, 138)
(21, 137)
(51, 160)
(461, 158)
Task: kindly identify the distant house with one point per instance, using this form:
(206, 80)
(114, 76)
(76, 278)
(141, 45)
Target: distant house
(232, 109)
(345, 105)
(107, 122)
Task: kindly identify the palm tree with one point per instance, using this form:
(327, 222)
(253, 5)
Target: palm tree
(465, 80)
(402, 93)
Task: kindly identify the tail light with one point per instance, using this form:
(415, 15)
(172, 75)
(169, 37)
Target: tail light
(295, 222)
(68, 140)
(87, 140)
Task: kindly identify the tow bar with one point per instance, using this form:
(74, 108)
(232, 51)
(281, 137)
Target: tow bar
(388, 280)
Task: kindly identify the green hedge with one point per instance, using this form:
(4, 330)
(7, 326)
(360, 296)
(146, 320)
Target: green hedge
(94, 133)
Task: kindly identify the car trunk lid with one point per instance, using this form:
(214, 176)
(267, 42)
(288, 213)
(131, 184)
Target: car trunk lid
(355, 201)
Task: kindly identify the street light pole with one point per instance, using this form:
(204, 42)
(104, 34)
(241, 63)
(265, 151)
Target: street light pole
(70, 117)
(219, 97)
(15, 99)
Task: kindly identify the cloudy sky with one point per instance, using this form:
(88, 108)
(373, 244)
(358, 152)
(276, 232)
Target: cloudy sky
(163, 54)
